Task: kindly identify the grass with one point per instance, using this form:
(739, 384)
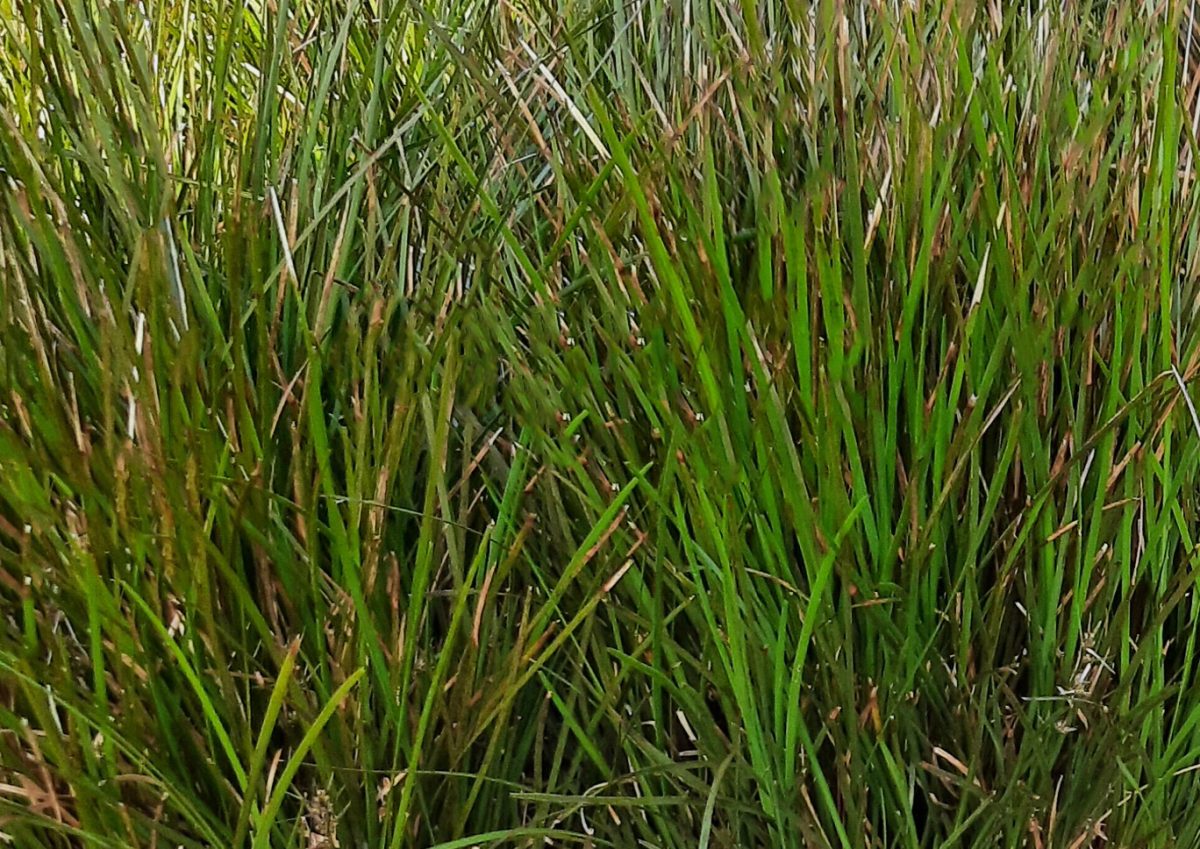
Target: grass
(675, 423)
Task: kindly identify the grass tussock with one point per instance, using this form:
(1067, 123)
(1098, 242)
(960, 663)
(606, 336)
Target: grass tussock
(665, 424)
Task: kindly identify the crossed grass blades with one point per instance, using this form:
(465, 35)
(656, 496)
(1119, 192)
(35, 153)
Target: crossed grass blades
(665, 424)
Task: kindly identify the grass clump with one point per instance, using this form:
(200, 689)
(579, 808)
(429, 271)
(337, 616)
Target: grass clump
(691, 424)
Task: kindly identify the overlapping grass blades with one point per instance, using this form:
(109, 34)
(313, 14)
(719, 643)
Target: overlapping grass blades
(670, 424)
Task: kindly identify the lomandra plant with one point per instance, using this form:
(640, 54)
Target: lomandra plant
(673, 423)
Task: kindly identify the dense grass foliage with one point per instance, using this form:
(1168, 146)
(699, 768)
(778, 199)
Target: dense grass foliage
(673, 423)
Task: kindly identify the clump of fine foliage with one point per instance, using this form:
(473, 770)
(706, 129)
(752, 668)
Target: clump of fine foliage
(689, 423)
